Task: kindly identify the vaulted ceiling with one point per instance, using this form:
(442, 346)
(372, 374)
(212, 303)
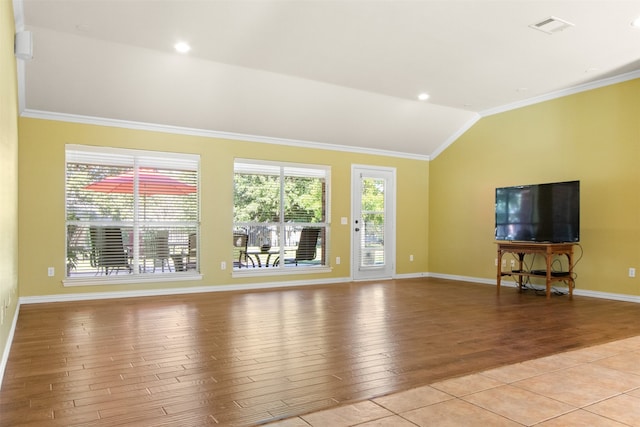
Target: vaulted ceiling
(340, 73)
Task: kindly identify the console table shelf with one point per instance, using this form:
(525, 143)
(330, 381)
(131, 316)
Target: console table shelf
(549, 251)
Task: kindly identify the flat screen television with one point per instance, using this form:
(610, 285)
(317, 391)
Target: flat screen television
(539, 213)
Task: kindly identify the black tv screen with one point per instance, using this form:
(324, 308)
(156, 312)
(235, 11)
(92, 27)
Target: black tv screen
(539, 213)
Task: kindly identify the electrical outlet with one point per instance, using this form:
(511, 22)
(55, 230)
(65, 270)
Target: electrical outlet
(411, 258)
(337, 260)
(51, 271)
(223, 265)
(495, 262)
(632, 272)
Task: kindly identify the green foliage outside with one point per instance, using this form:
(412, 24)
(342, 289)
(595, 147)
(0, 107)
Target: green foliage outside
(373, 194)
(373, 201)
(257, 199)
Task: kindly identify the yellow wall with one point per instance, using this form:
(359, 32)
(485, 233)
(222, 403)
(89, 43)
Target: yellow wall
(42, 214)
(8, 175)
(445, 214)
(592, 136)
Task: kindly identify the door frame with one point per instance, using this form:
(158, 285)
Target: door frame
(390, 222)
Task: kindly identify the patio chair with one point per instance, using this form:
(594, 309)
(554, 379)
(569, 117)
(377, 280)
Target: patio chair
(192, 252)
(155, 248)
(307, 247)
(161, 250)
(107, 250)
(240, 242)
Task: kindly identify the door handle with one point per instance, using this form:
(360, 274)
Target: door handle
(357, 229)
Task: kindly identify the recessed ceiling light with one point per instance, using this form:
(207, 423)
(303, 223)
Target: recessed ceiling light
(636, 22)
(423, 96)
(182, 47)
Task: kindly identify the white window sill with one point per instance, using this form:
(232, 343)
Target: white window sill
(130, 278)
(274, 271)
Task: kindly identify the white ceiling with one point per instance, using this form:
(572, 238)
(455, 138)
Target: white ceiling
(342, 73)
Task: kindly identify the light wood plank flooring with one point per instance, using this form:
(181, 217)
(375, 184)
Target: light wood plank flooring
(246, 358)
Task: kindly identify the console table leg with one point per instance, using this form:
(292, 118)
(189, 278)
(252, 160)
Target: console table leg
(570, 282)
(521, 269)
(499, 268)
(548, 276)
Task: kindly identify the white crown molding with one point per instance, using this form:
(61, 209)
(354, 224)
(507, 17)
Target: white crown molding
(455, 136)
(100, 121)
(535, 100)
(562, 93)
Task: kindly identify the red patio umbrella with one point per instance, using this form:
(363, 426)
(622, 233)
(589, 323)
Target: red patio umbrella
(149, 184)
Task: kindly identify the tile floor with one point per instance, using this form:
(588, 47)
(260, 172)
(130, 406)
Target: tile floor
(596, 386)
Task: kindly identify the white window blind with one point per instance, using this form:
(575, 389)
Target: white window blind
(130, 212)
(280, 215)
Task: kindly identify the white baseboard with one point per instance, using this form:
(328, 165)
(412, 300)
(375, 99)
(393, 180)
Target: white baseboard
(280, 284)
(607, 295)
(464, 278)
(8, 344)
(510, 283)
(284, 284)
(409, 276)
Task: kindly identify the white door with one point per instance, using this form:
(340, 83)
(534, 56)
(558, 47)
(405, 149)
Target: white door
(373, 222)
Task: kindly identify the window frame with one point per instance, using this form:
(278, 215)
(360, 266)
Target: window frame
(137, 160)
(322, 171)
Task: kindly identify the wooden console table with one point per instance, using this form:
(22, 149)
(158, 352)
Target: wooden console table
(548, 250)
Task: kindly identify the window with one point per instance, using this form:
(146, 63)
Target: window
(130, 213)
(280, 216)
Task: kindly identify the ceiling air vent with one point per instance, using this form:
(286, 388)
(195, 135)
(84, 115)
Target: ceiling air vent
(551, 25)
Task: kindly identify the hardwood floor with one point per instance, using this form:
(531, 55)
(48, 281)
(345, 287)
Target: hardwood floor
(245, 358)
